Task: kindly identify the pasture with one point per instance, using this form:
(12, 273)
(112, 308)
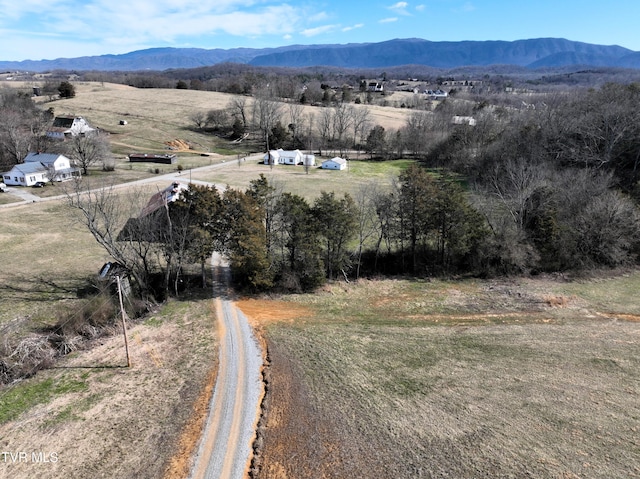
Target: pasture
(294, 179)
(86, 405)
(465, 379)
(156, 117)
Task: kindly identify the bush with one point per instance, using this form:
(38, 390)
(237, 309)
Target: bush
(96, 315)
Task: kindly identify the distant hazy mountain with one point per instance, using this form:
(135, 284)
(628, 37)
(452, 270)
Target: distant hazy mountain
(535, 53)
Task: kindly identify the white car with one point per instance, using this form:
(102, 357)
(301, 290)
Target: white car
(3, 187)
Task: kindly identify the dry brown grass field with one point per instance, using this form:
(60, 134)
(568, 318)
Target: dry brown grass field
(91, 416)
(467, 379)
(99, 418)
(158, 116)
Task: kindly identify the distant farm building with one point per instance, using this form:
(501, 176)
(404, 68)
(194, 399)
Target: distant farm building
(463, 120)
(375, 86)
(436, 94)
(288, 157)
(336, 163)
(69, 126)
(145, 157)
(152, 222)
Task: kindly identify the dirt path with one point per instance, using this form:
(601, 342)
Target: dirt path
(226, 446)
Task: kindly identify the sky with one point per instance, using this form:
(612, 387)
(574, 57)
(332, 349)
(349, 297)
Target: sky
(50, 29)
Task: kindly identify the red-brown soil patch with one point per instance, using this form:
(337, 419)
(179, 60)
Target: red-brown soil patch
(262, 312)
(180, 464)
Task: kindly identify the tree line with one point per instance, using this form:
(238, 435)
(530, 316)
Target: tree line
(421, 224)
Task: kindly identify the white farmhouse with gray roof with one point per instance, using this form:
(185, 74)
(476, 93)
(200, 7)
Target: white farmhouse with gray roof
(26, 174)
(41, 167)
(288, 157)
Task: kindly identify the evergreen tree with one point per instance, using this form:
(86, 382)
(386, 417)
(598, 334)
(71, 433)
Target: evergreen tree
(336, 219)
(66, 90)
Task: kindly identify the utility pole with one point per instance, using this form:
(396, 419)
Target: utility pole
(124, 326)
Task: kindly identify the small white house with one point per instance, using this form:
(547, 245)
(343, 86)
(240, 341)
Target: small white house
(69, 126)
(26, 174)
(336, 163)
(58, 166)
(288, 157)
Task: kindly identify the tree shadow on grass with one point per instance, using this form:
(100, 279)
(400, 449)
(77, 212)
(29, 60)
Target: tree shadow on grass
(40, 288)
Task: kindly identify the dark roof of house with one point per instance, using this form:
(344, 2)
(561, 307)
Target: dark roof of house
(162, 198)
(63, 122)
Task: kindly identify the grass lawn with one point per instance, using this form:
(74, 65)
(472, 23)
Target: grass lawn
(45, 256)
(294, 179)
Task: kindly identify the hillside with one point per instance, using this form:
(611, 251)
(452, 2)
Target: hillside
(532, 53)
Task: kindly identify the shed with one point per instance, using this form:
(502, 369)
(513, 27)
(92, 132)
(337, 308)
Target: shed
(335, 163)
(146, 157)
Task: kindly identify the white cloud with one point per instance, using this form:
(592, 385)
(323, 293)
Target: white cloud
(146, 23)
(400, 8)
(353, 27)
(421, 8)
(388, 20)
(312, 32)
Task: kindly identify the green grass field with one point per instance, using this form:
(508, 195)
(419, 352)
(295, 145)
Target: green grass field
(294, 179)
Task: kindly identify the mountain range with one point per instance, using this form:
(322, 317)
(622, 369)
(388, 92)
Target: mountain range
(533, 53)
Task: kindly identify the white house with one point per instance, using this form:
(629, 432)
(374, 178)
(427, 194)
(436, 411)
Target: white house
(26, 174)
(58, 166)
(69, 126)
(336, 163)
(288, 157)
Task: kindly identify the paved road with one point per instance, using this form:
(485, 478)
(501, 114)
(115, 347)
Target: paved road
(226, 446)
(27, 197)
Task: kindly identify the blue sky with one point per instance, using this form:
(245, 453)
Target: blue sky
(49, 29)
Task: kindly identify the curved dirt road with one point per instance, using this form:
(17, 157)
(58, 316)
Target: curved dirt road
(226, 446)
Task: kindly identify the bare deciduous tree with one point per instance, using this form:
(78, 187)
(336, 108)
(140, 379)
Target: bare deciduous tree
(266, 114)
(106, 212)
(90, 149)
(199, 118)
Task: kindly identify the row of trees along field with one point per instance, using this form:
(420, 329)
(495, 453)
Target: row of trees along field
(274, 239)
